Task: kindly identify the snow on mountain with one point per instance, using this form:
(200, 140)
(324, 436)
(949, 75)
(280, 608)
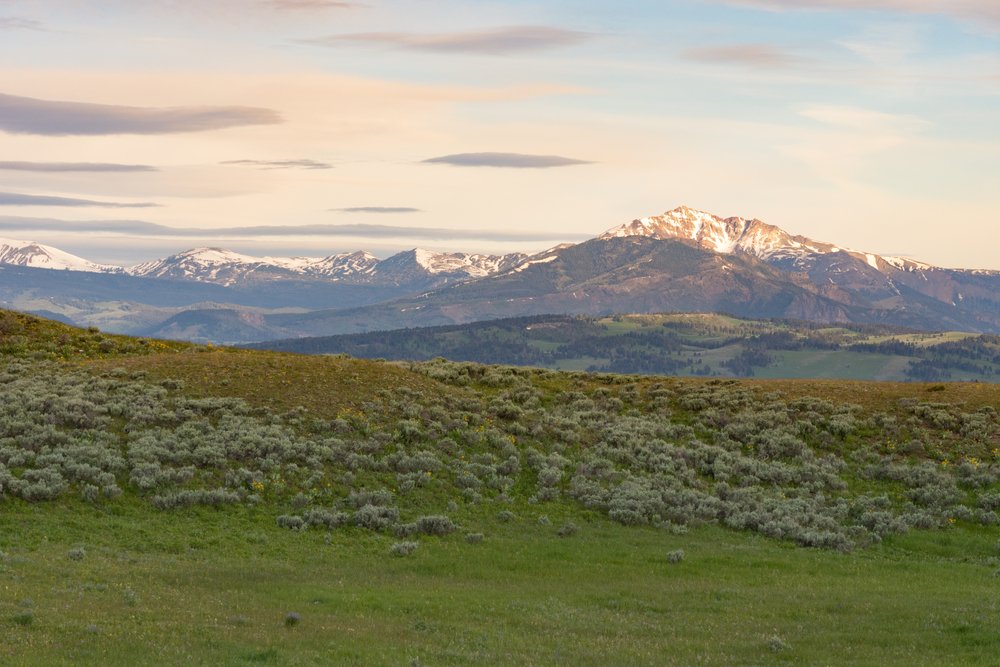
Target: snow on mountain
(221, 266)
(230, 268)
(753, 237)
(36, 255)
(345, 265)
(473, 265)
(423, 268)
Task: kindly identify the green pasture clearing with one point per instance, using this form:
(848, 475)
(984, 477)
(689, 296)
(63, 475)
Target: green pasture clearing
(215, 586)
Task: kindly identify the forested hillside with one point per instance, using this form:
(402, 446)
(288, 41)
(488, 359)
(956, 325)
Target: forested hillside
(683, 344)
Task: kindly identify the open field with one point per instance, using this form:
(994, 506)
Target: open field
(178, 504)
(214, 587)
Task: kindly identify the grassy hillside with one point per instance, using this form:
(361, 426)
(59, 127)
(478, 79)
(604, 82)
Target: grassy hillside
(684, 344)
(191, 505)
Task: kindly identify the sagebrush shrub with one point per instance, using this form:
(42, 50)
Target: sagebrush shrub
(435, 525)
(567, 529)
(400, 549)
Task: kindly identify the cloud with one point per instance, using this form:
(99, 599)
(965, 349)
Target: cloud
(18, 23)
(749, 55)
(961, 9)
(26, 115)
(142, 228)
(865, 120)
(311, 4)
(281, 164)
(377, 209)
(496, 41)
(16, 199)
(508, 160)
(73, 166)
(850, 141)
(886, 44)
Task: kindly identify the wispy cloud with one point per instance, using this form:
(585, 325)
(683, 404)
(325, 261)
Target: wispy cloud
(17, 199)
(496, 41)
(301, 5)
(19, 23)
(848, 138)
(143, 228)
(867, 120)
(9, 165)
(962, 9)
(747, 55)
(27, 115)
(507, 160)
(281, 164)
(885, 44)
(377, 209)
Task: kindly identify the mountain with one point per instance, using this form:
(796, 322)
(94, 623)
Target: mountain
(225, 267)
(683, 260)
(417, 268)
(600, 276)
(689, 261)
(751, 237)
(36, 255)
(213, 294)
(418, 265)
(902, 290)
(122, 303)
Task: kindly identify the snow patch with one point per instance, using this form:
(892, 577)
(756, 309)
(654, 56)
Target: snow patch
(38, 256)
(531, 262)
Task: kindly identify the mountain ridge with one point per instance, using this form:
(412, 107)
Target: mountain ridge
(750, 236)
(683, 260)
(229, 268)
(730, 235)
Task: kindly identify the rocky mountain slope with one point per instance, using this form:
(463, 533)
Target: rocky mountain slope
(751, 237)
(688, 260)
(219, 266)
(36, 255)
(684, 260)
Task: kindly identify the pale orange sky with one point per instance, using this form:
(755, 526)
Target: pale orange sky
(869, 124)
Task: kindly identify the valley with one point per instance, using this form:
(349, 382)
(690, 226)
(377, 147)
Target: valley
(684, 345)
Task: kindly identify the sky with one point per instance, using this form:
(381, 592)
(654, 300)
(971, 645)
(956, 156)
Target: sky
(132, 129)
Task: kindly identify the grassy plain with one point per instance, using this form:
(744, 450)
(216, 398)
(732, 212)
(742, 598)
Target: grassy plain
(214, 587)
(119, 582)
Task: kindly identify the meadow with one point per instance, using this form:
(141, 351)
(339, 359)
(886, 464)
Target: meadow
(165, 503)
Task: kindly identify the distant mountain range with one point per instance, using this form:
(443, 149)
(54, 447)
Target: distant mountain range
(684, 260)
(231, 269)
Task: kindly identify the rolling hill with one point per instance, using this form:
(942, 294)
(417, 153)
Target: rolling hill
(682, 344)
(231, 507)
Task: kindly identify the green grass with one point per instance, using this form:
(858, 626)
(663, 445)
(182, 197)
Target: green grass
(834, 364)
(203, 586)
(213, 587)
